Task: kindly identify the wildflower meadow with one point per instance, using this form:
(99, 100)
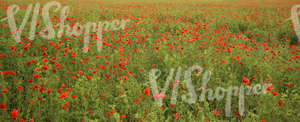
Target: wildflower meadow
(149, 60)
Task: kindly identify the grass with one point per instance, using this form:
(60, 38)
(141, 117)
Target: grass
(232, 39)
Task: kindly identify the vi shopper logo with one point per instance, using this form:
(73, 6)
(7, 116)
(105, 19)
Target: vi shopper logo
(191, 97)
(295, 12)
(63, 29)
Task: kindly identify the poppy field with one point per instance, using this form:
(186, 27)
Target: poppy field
(149, 60)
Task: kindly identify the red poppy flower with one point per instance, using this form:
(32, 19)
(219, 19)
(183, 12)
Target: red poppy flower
(269, 88)
(217, 112)
(45, 67)
(280, 103)
(36, 76)
(90, 111)
(288, 84)
(14, 113)
(147, 91)
(3, 106)
(176, 115)
(22, 120)
(274, 93)
(125, 78)
(89, 78)
(122, 116)
(5, 90)
(49, 91)
(246, 80)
